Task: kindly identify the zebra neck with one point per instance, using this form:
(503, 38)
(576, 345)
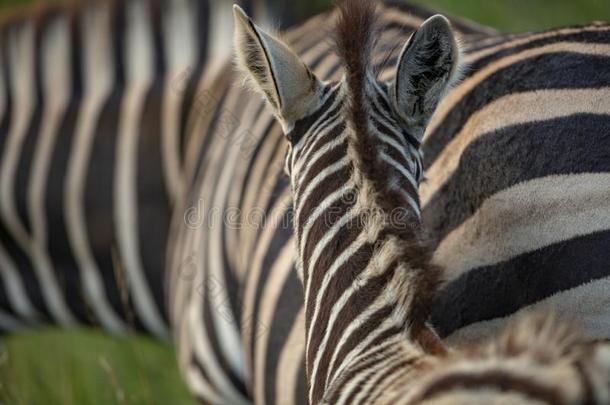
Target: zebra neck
(357, 305)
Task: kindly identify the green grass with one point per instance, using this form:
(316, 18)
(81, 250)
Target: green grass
(88, 367)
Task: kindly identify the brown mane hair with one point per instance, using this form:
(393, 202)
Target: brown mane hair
(355, 40)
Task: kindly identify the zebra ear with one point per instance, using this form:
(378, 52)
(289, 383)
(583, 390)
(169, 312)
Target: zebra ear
(427, 65)
(274, 70)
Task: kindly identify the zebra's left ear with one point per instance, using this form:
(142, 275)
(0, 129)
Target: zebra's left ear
(428, 63)
(274, 70)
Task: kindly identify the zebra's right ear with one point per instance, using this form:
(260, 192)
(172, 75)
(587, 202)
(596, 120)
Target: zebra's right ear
(275, 70)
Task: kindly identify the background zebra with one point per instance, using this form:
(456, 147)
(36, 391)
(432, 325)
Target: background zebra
(91, 143)
(267, 308)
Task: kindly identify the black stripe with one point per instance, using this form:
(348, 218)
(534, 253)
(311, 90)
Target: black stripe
(154, 211)
(489, 42)
(5, 304)
(99, 202)
(560, 70)
(499, 290)
(585, 37)
(301, 393)
(117, 36)
(494, 162)
(59, 248)
(7, 77)
(154, 10)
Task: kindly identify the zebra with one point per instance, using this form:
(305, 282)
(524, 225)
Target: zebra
(367, 278)
(93, 99)
(253, 303)
(237, 319)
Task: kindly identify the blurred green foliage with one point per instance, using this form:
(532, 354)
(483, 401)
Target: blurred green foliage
(88, 367)
(505, 15)
(524, 15)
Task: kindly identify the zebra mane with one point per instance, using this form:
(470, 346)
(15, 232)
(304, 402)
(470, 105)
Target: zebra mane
(355, 40)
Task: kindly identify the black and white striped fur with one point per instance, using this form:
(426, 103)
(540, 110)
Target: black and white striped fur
(94, 97)
(411, 368)
(256, 290)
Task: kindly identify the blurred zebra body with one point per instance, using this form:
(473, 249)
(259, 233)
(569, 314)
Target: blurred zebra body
(92, 103)
(251, 303)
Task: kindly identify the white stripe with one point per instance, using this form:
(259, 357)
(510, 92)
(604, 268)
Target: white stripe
(22, 60)
(98, 79)
(528, 216)
(220, 29)
(139, 57)
(180, 47)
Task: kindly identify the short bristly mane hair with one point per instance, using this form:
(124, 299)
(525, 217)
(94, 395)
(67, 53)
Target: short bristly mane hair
(355, 37)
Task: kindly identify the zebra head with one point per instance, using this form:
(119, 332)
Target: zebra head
(357, 139)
